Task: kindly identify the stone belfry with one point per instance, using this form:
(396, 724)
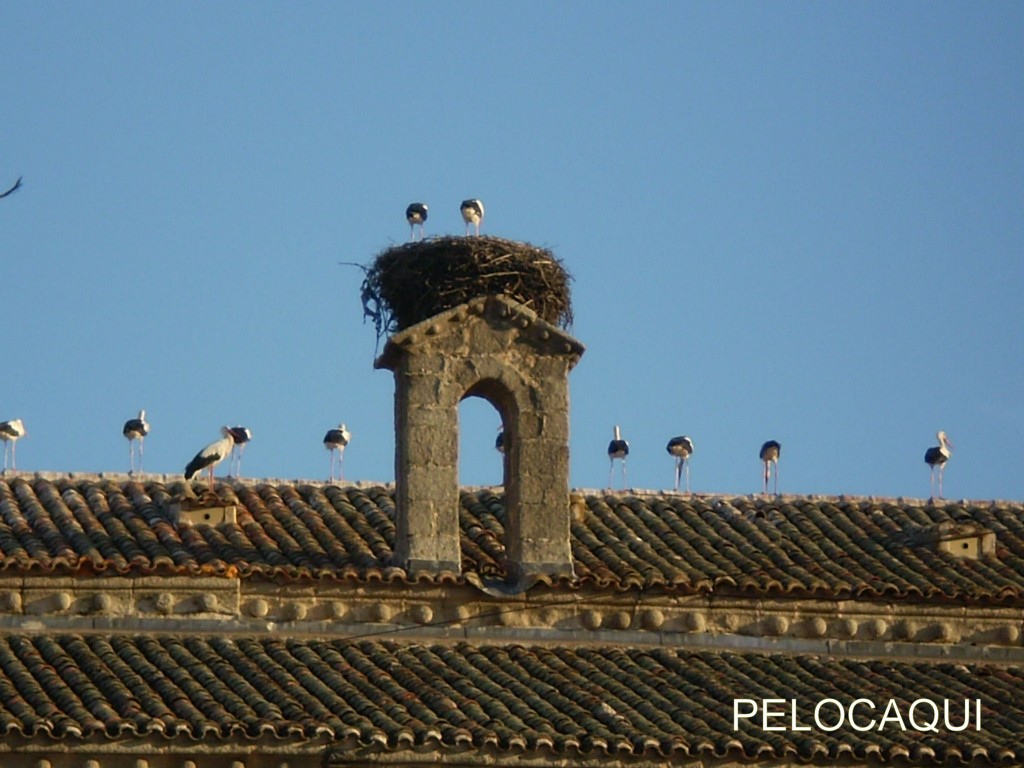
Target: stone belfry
(496, 348)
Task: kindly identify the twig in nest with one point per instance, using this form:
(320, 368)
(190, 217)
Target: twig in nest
(408, 283)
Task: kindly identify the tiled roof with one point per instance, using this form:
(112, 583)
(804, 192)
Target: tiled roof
(689, 544)
(651, 702)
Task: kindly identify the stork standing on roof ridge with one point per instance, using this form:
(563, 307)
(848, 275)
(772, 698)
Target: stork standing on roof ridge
(241, 436)
(335, 441)
(211, 456)
(11, 432)
(416, 214)
(135, 430)
(937, 456)
(472, 213)
(682, 448)
(617, 449)
(769, 454)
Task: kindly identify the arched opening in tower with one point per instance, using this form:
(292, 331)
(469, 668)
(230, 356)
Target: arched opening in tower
(481, 461)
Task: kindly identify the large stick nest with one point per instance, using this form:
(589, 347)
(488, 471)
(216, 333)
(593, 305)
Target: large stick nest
(408, 283)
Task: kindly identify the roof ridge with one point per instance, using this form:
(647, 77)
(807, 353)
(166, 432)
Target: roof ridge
(167, 477)
(842, 497)
(620, 492)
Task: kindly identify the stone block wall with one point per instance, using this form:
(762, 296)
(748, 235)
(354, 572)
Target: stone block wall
(497, 349)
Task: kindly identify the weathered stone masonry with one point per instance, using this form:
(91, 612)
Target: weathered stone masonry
(500, 350)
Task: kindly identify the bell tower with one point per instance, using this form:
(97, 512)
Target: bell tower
(496, 348)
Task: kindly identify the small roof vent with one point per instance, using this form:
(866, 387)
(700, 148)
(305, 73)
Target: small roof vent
(208, 510)
(969, 541)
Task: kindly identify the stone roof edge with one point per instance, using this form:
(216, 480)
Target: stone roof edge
(446, 634)
(18, 748)
(479, 306)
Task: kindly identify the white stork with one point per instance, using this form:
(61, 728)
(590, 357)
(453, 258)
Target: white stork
(211, 456)
(336, 440)
(617, 449)
(937, 456)
(416, 214)
(241, 436)
(682, 448)
(10, 433)
(17, 186)
(135, 430)
(770, 453)
(472, 213)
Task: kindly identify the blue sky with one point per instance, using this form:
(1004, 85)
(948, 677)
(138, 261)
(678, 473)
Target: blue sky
(799, 221)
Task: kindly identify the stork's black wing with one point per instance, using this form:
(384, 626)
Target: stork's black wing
(17, 185)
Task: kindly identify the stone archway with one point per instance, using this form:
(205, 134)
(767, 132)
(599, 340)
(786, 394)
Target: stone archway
(500, 350)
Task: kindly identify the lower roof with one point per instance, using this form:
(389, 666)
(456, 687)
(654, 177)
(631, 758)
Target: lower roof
(654, 702)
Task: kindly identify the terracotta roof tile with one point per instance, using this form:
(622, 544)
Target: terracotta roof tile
(650, 702)
(690, 544)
